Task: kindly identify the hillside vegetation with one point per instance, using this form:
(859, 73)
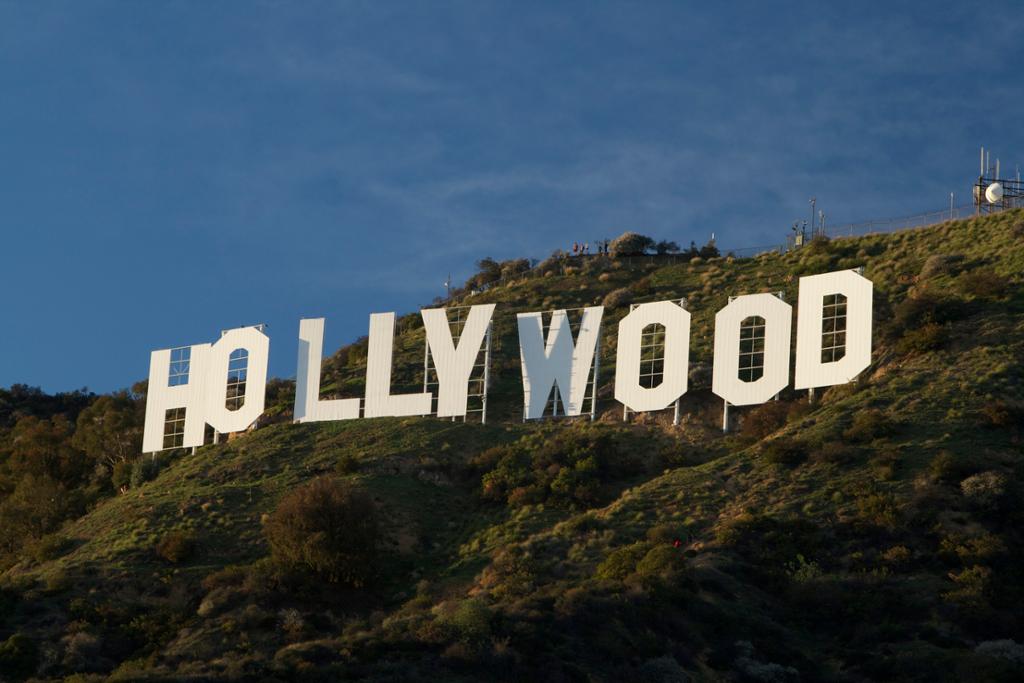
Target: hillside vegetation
(874, 534)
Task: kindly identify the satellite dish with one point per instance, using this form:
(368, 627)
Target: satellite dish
(994, 193)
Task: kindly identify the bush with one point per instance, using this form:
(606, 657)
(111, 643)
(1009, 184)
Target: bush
(878, 510)
(766, 419)
(617, 298)
(928, 337)
(983, 283)
(622, 562)
(570, 468)
(630, 244)
(784, 452)
(176, 546)
(925, 307)
(985, 489)
(144, 469)
(951, 469)
(1001, 413)
(972, 587)
(327, 528)
(940, 264)
(867, 426)
(347, 464)
(49, 547)
(122, 475)
(19, 657)
(661, 561)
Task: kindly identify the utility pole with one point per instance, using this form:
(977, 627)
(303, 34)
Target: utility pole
(448, 288)
(814, 202)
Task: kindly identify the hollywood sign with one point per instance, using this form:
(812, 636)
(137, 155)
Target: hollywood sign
(223, 384)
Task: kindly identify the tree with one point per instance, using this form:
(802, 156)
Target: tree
(110, 430)
(328, 528)
(36, 507)
(630, 244)
(43, 447)
(709, 250)
(488, 272)
(665, 247)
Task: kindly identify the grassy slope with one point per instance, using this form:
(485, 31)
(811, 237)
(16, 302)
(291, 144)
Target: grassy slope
(439, 531)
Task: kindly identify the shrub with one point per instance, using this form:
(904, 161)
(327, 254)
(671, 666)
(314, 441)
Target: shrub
(630, 244)
(617, 298)
(835, 452)
(867, 426)
(661, 561)
(49, 547)
(666, 247)
(928, 337)
(925, 307)
(122, 475)
(19, 656)
(885, 463)
(973, 586)
(951, 469)
(664, 534)
(878, 510)
(1009, 650)
(347, 464)
(784, 451)
(985, 489)
(766, 419)
(1001, 413)
(661, 670)
(143, 470)
(622, 562)
(983, 283)
(567, 467)
(327, 528)
(469, 623)
(940, 264)
(176, 546)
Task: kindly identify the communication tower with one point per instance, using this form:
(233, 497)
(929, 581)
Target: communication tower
(993, 192)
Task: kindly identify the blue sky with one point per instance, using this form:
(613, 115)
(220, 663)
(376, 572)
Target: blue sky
(171, 169)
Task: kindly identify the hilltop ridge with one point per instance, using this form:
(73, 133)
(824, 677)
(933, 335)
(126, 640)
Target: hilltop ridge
(872, 535)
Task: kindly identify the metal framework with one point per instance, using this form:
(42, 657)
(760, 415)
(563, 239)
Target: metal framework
(833, 328)
(174, 427)
(1013, 188)
(751, 364)
(238, 366)
(179, 367)
(480, 377)
(575, 316)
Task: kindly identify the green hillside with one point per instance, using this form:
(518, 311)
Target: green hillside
(872, 535)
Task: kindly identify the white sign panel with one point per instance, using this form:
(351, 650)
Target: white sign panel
(380, 402)
(811, 369)
(196, 378)
(628, 390)
(777, 318)
(308, 406)
(557, 360)
(454, 364)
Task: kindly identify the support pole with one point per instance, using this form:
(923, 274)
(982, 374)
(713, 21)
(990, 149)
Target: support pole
(487, 373)
(675, 417)
(597, 367)
(725, 417)
(810, 395)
